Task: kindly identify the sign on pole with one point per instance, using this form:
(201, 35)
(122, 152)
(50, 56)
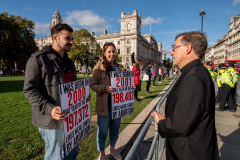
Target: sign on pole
(77, 122)
(123, 94)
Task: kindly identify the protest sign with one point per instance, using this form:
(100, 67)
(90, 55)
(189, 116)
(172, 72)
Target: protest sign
(77, 122)
(123, 94)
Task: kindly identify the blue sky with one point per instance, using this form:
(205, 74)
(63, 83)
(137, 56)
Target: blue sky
(170, 17)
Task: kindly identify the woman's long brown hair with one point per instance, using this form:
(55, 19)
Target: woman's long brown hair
(105, 63)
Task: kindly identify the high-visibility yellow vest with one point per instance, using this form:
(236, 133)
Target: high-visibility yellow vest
(234, 75)
(224, 78)
(212, 73)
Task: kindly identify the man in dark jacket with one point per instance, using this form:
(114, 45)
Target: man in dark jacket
(189, 121)
(45, 70)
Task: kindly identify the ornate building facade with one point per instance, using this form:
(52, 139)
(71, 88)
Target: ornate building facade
(41, 42)
(129, 40)
(227, 48)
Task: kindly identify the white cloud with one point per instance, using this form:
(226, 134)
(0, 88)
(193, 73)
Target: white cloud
(211, 44)
(41, 28)
(235, 2)
(148, 20)
(167, 50)
(86, 19)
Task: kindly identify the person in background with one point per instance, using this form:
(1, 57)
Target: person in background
(1, 73)
(225, 83)
(163, 73)
(101, 84)
(159, 74)
(168, 72)
(234, 79)
(211, 71)
(137, 80)
(149, 73)
(155, 74)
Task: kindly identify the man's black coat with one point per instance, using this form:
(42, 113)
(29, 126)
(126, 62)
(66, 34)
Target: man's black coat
(190, 116)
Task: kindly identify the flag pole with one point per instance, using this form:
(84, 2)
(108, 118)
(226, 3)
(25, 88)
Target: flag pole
(150, 28)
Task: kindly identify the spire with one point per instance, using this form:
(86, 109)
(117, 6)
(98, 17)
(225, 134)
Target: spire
(56, 13)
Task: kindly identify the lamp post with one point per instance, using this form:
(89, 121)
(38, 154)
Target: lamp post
(202, 14)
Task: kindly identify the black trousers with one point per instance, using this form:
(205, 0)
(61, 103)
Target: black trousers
(148, 84)
(227, 97)
(219, 94)
(159, 78)
(154, 79)
(163, 76)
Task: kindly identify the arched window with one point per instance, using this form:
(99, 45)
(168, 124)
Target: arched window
(53, 23)
(128, 27)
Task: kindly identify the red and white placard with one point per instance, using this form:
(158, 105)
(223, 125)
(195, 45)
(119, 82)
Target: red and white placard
(123, 94)
(77, 122)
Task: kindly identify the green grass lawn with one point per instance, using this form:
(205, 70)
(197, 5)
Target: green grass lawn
(19, 139)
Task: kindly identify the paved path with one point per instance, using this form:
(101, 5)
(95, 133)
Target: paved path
(228, 136)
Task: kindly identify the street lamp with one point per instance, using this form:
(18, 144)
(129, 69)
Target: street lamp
(202, 14)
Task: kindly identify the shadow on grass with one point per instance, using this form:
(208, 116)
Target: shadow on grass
(11, 86)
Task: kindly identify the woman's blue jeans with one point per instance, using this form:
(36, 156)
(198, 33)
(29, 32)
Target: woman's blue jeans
(105, 123)
(54, 145)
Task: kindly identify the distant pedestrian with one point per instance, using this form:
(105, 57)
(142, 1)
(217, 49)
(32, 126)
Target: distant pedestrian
(226, 85)
(148, 72)
(137, 80)
(159, 74)
(163, 73)
(155, 74)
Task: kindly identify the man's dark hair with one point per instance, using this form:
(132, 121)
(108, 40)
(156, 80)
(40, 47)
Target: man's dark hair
(59, 27)
(198, 41)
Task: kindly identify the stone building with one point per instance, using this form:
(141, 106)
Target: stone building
(41, 42)
(129, 40)
(227, 48)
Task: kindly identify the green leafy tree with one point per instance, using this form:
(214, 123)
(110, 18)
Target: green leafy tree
(85, 49)
(167, 63)
(16, 40)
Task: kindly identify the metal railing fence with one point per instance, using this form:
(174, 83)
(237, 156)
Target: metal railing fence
(158, 142)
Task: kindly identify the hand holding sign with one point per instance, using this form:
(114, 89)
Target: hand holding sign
(109, 89)
(57, 113)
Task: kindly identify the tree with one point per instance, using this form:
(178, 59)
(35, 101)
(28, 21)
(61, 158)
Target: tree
(167, 63)
(16, 40)
(85, 49)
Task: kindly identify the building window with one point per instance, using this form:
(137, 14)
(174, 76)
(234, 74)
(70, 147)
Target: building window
(128, 41)
(118, 42)
(127, 58)
(128, 66)
(118, 51)
(128, 27)
(128, 50)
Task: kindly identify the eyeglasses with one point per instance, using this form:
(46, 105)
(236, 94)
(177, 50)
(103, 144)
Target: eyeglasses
(175, 47)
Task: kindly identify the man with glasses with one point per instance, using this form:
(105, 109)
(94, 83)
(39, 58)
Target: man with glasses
(189, 120)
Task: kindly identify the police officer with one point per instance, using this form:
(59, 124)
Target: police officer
(211, 71)
(234, 76)
(224, 81)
